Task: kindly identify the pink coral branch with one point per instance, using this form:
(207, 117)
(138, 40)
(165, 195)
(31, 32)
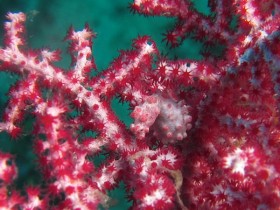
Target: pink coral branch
(205, 133)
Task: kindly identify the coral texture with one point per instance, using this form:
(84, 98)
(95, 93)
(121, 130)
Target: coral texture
(205, 133)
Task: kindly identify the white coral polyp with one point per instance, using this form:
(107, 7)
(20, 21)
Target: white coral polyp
(238, 160)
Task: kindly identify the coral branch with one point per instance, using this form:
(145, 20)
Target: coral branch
(205, 133)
